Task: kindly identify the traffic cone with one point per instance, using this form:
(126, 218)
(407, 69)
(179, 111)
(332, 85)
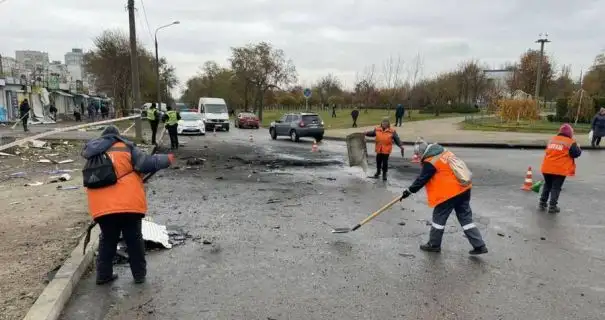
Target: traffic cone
(527, 185)
(415, 158)
(314, 148)
(250, 138)
(536, 186)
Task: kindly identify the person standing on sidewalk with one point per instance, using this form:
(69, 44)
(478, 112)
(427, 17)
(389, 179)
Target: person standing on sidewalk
(399, 113)
(354, 116)
(334, 111)
(559, 163)
(153, 116)
(445, 194)
(385, 136)
(24, 113)
(598, 128)
(119, 205)
(171, 119)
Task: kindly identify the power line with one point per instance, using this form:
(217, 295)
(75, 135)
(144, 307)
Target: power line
(146, 21)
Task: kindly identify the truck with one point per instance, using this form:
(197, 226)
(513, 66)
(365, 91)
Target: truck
(215, 113)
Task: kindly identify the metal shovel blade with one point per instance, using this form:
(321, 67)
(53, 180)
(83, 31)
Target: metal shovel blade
(341, 230)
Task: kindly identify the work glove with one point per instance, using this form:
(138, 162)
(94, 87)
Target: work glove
(406, 193)
(171, 158)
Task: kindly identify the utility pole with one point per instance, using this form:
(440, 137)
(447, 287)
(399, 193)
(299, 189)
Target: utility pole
(543, 38)
(134, 66)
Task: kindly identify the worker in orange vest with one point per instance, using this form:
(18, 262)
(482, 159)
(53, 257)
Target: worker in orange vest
(445, 193)
(116, 198)
(385, 136)
(559, 163)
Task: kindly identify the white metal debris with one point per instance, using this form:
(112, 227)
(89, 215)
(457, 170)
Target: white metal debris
(65, 161)
(34, 184)
(155, 233)
(38, 143)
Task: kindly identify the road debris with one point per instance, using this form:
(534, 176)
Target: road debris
(39, 144)
(44, 161)
(273, 201)
(62, 178)
(68, 187)
(195, 161)
(34, 184)
(65, 161)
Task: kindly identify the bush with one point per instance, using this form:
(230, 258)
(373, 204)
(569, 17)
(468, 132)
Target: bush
(454, 108)
(599, 102)
(561, 108)
(586, 107)
(521, 109)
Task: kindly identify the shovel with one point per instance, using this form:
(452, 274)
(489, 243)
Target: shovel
(369, 218)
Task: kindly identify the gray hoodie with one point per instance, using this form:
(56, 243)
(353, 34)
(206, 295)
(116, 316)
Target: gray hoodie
(142, 162)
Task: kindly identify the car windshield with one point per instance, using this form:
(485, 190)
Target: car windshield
(215, 108)
(190, 116)
(311, 119)
(182, 107)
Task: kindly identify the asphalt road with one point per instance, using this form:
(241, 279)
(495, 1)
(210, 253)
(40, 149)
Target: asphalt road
(268, 207)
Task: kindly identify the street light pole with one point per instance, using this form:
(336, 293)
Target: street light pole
(542, 40)
(157, 63)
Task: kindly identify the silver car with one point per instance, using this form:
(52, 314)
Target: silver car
(298, 125)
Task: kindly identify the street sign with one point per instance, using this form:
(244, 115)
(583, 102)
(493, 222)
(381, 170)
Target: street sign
(307, 93)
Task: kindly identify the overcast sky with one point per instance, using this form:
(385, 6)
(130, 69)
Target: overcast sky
(320, 36)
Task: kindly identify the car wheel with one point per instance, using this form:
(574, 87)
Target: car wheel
(319, 138)
(273, 133)
(294, 136)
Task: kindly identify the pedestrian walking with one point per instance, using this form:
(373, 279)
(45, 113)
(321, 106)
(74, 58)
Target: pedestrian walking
(385, 136)
(24, 113)
(333, 111)
(598, 128)
(104, 110)
(171, 119)
(116, 198)
(354, 116)
(53, 112)
(399, 113)
(558, 163)
(91, 112)
(446, 193)
(153, 116)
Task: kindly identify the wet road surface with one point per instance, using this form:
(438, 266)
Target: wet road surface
(267, 207)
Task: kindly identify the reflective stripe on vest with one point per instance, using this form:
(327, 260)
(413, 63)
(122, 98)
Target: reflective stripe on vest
(443, 185)
(127, 195)
(151, 114)
(557, 159)
(384, 140)
(172, 118)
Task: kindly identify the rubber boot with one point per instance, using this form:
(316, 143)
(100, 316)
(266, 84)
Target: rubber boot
(429, 248)
(376, 175)
(384, 176)
(478, 250)
(554, 209)
(101, 282)
(542, 206)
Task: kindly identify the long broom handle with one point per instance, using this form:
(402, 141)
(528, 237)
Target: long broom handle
(378, 212)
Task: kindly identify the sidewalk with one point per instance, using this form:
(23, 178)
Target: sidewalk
(446, 132)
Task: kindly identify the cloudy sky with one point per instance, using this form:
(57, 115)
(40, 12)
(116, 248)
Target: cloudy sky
(337, 36)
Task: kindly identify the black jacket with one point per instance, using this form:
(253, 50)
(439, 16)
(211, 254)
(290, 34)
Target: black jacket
(24, 108)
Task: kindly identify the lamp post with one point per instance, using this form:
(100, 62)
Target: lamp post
(543, 38)
(157, 62)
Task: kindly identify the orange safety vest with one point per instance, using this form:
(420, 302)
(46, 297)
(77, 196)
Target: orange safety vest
(127, 195)
(443, 185)
(557, 159)
(384, 140)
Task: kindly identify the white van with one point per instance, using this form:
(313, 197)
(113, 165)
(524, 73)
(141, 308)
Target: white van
(214, 113)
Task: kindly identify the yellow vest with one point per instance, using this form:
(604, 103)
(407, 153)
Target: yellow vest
(172, 118)
(151, 114)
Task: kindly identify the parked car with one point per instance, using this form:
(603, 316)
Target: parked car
(214, 112)
(298, 125)
(247, 120)
(191, 123)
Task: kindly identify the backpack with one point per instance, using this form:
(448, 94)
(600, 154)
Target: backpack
(98, 172)
(462, 173)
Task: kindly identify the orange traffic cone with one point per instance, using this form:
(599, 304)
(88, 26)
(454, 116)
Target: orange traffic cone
(314, 148)
(528, 181)
(415, 158)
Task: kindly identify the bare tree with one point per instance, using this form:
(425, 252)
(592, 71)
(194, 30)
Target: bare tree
(365, 87)
(415, 71)
(392, 79)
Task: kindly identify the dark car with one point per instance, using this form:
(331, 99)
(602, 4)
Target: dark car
(298, 125)
(183, 107)
(247, 120)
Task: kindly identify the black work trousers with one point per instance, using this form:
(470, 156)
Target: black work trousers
(382, 163)
(354, 122)
(460, 204)
(129, 226)
(24, 121)
(398, 121)
(552, 189)
(174, 136)
(154, 129)
(596, 141)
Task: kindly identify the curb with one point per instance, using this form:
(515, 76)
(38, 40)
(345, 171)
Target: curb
(55, 296)
(482, 145)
